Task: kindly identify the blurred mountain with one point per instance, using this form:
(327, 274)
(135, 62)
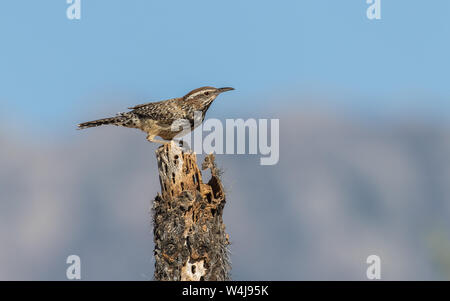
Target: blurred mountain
(344, 188)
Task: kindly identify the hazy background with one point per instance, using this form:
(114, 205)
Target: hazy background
(364, 134)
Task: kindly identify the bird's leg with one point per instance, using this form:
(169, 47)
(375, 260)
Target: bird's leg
(151, 138)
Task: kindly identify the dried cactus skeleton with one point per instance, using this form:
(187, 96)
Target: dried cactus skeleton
(189, 233)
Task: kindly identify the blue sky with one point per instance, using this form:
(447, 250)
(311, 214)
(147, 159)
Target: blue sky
(54, 71)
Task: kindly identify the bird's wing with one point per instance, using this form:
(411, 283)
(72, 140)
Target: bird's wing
(146, 104)
(165, 112)
(140, 106)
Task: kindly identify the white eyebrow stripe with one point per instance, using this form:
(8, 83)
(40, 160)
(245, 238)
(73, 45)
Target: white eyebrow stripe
(201, 92)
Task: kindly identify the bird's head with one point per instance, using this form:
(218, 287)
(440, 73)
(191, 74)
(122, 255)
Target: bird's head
(205, 95)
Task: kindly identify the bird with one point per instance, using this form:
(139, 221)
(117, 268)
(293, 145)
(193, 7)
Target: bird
(159, 118)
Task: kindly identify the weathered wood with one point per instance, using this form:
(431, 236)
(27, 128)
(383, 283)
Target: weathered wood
(189, 233)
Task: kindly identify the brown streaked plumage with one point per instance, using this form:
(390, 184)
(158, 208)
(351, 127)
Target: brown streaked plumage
(157, 118)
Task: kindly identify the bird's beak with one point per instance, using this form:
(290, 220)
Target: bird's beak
(221, 90)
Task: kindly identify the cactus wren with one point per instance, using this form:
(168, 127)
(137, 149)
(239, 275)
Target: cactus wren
(157, 118)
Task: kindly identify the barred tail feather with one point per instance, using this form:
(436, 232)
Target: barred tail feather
(118, 120)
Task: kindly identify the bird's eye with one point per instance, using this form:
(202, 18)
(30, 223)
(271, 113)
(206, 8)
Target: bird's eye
(206, 93)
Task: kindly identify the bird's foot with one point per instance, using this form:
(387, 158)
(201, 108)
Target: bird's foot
(183, 144)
